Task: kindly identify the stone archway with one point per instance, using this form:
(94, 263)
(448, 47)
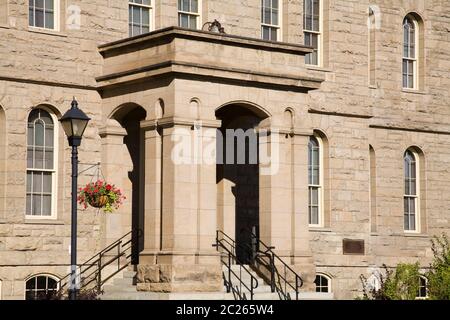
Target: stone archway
(238, 175)
(128, 149)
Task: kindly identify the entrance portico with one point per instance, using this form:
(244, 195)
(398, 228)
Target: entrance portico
(187, 96)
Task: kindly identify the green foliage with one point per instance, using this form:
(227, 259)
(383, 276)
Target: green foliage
(401, 284)
(439, 273)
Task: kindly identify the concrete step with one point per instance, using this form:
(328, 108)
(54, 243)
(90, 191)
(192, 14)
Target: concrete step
(123, 282)
(128, 274)
(115, 289)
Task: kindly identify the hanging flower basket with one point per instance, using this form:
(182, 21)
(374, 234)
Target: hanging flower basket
(100, 194)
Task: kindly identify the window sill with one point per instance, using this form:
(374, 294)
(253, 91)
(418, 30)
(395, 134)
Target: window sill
(415, 235)
(319, 229)
(50, 32)
(317, 68)
(4, 26)
(413, 91)
(44, 221)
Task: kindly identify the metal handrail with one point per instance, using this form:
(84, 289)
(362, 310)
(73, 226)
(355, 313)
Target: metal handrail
(91, 269)
(274, 271)
(229, 245)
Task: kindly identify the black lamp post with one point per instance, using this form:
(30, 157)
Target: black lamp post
(74, 122)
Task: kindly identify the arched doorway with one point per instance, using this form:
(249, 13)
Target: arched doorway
(130, 117)
(238, 175)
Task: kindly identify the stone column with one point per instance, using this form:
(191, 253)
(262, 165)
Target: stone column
(115, 164)
(152, 189)
(186, 260)
(284, 198)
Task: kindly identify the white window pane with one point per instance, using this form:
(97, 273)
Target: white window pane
(145, 17)
(193, 22)
(273, 34)
(136, 30)
(275, 17)
(38, 158)
(194, 6)
(185, 5)
(47, 205)
(29, 177)
(30, 154)
(49, 159)
(184, 20)
(49, 20)
(39, 18)
(37, 182)
(47, 182)
(136, 15)
(266, 16)
(30, 16)
(265, 33)
(28, 205)
(36, 209)
(39, 133)
(49, 4)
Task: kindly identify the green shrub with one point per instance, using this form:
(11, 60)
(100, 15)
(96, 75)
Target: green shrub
(439, 273)
(401, 284)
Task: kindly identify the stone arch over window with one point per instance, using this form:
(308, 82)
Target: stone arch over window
(42, 163)
(414, 199)
(41, 286)
(413, 62)
(323, 283)
(3, 157)
(318, 180)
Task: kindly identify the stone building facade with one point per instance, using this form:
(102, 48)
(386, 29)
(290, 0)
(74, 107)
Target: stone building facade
(369, 96)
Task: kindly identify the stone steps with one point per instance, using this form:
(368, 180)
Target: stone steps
(122, 287)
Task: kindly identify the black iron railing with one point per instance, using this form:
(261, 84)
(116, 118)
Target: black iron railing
(233, 280)
(91, 273)
(282, 278)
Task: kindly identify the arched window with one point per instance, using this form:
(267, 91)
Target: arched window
(323, 283)
(270, 19)
(412, 189)
(423, 288)
(43, 14)
(312, 30)
(189, 14)
(41, 165)
(140, 18)
(410, 52)
(40, 287)
(315, 181)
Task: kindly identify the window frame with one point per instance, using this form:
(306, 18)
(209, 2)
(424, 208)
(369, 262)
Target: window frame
(56, 17)
(151, 17)
(198, 15)
(415, 60)
(318, 33)
(329, 286)
(320, 186)
(422, 277)
(54, 171)
(416, 197)
(267, 25)
(35, 276)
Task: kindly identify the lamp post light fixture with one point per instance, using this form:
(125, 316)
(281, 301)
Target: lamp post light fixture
(74, 122)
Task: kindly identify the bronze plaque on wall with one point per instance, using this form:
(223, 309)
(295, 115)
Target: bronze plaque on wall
(350, 246)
